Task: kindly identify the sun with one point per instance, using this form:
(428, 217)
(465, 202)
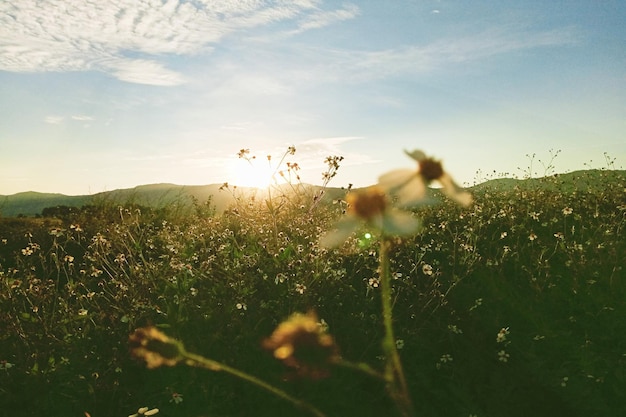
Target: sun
(258, 174)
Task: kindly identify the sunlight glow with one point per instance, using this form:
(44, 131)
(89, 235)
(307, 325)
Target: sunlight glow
(256, 173)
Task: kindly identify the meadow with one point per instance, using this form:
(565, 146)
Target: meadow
(512, 306)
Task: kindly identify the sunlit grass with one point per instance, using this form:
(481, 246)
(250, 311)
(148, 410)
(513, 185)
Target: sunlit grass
(511, 306)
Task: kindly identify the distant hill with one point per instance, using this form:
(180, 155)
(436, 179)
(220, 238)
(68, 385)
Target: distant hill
(152, 195)
(580, 181)
(160, 195)
(31, 203)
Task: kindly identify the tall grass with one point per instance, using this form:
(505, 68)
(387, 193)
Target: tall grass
(513, 306)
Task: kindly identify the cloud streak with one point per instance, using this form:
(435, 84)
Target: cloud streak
(129, 39)
(420, 59)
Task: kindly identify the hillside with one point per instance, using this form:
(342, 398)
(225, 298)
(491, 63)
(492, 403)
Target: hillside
(160, 195)
(152, 195)
(579, 181)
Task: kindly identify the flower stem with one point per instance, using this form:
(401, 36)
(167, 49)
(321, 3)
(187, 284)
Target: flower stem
(202, 362)
(394, 374)
(361, 367)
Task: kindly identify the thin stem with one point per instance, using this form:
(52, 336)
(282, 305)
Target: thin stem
(361, 367)
(202, 362)
(394, 374)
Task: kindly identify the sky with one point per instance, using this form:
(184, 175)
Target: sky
(99, 95)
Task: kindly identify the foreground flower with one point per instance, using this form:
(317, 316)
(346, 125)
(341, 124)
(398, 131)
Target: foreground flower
(371, 206)
(301, 343)
(155, 348)
(144, 411)
(410, 185)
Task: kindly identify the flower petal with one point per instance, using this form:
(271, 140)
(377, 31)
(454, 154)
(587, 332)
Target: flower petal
(453, 191)
(413, 192)
(345, 227)
(416, 154)
(400, 223)
(396, 179)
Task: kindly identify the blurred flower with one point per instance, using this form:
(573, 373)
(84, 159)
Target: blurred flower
(427, 269)
(155, 348)
(302, 344)
(410, 185)
(502, 334)
(176, 398)
(144, 411)
(503, 356)
(370, 206)
(567, 211)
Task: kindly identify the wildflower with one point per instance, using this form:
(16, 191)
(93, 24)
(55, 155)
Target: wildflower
(371, 206)
(410, 185)
(503, 235)
(502, 335)
(302, 344)
(532, 237)
(503, 356)
(241, 306)
(155, 348)
(559, 235)
(144, 411)
(82, 312)
(300, 288)
(176, 398)
(374, 282)
(427, 269)
(567, 211)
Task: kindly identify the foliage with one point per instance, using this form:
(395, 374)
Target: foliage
(514, 306)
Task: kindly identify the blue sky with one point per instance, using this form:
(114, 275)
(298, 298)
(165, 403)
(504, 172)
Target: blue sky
(99, 95)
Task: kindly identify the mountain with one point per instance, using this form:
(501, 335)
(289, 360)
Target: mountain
(152, 195)
(161, 195)
(31, 203)
(576, 181)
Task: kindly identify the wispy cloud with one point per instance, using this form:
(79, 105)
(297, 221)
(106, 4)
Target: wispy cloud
(82, 118)
(294, 66)
(130, 39)
(314, 151)
(419, 59)
(54, 120)
(324, 18)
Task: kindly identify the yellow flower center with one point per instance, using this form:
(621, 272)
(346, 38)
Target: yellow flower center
(367, 203)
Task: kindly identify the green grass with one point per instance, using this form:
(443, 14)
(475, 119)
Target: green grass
(74, 289)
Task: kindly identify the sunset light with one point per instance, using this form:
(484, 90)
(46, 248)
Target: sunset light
(256, 173)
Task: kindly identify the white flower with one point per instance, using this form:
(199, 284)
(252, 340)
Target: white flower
(370, 206)
(410, 185)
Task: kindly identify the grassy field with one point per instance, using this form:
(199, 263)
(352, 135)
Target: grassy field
(514, 306)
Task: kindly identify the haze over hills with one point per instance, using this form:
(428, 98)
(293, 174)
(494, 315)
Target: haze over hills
(32, 203)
